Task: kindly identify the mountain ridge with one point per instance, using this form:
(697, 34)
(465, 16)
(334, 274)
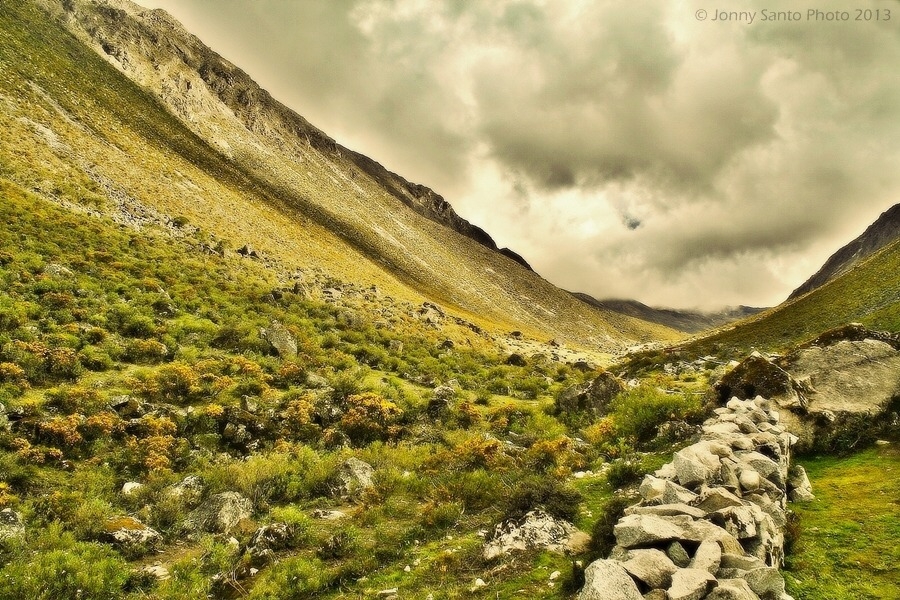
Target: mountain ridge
(879, 234)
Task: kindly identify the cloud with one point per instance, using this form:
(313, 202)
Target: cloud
(624, 148)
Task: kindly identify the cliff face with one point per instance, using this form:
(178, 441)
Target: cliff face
(879, 234)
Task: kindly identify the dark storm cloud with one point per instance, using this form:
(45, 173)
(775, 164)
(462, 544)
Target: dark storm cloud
(624, 148)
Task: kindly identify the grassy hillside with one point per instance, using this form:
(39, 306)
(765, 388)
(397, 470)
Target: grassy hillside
(127, 355)
(869, 293)
(178, 151)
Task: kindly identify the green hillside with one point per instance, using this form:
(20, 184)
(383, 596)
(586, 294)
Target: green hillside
(869, 294)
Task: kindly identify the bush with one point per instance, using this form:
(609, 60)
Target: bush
(369, 417)
(637, 413)
(557, 499)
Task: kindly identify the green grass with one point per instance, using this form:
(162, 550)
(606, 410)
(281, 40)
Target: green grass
(848, 545)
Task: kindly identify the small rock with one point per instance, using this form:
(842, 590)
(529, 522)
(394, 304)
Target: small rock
(652, 567)
(131, 487)
(634, 531)
(220, 513)
(353, 478)
(158, 571)
(11, 525)
(708, 557)
(691, 584)
(799, 487)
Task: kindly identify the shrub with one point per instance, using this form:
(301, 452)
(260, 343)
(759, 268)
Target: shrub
(624, 471)
(603, 538)
(638, 412)
(555, 498)
(369, 417)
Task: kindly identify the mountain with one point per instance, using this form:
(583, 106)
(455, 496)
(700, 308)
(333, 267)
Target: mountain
(680, 320)
(878, 235)
(868, 292)
(170, 132)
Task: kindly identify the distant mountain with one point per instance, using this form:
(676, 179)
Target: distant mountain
(113, 106)
(879, 234)
(680, 320)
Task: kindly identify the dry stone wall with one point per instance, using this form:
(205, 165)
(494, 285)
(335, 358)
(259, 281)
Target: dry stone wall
(710, 524)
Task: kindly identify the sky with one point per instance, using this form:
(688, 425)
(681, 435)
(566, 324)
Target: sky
(667, 151)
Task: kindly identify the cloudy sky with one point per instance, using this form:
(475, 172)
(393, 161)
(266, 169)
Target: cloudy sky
(646, 150)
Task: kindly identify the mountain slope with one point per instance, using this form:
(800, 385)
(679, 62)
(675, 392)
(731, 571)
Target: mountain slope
(680, 320)
(878, 235)
(198, 142)
(868, 292)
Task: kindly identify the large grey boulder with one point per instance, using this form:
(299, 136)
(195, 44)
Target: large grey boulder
(708, 557)
(635, 531)
(732, 589)
(651, 566)
(766, 582)
(536, 529)
(608, 580)
(220, 513)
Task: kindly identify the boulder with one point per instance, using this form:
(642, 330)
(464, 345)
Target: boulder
(536, 529)
(676, 552)
(635, 531)
(131, 536)
(712, 499)
(188, 491)
(691, 584)
(666, 510)
(766, 582)
(130, 488)
(707, 557)
(352, 479)
(799, 487)
(608, 580)
(592, 397)
(739, 521)
(280, 339)
(652, 567)
(267, 540)
(11, 525)
(732, 589)
(220, 513)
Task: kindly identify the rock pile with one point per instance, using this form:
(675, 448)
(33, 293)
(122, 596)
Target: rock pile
(710, 524)
(536, 529)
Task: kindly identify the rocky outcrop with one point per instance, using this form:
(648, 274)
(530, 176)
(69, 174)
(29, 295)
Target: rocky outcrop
(838, 390)
(592, 397)
(710, 524)
(131, 535)
(280, 339)
(536, 529)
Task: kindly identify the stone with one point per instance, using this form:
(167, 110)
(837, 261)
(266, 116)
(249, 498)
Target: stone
(698, 531)
(536, 529)
(666, 510)
(707, 557)
(667, 471)
(799, 487)
(269, 539)
(132, 536)
(189, 490)
(732, 589)
(712, 499)
(517, 360)
(739, 521)
(353, 478)
(608, 580)
(130, 488)
(220, 513)
(763, 465)
(328, 515)
(740, 561)
(676, 494)
(656, 595)
(634, 531)
(749, 480)
(652, 488)
(678, 555)
(766, 582)
(11, 525)
(691, 472)
(281, 340)
(157, 571)
(652, 567)
(690, 584)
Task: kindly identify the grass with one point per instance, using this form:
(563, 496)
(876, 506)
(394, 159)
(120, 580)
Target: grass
(848, 544)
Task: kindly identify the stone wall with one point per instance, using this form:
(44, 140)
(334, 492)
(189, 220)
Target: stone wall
(710, 524)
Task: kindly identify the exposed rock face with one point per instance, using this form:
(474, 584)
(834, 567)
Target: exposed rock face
(536, 529)
(848, 377)
(353, 478)
(592, 397)
(220, 513)
(710, 524)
